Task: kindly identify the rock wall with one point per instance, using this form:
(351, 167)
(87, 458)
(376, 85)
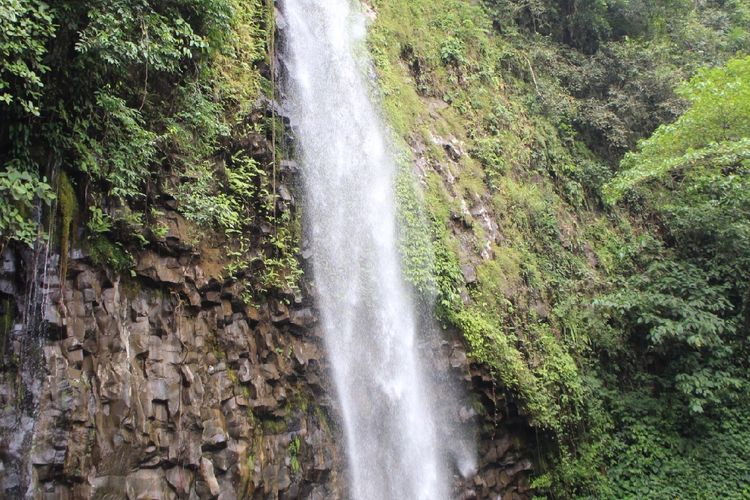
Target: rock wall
(481, 415)
(165, 385)
(505, 443)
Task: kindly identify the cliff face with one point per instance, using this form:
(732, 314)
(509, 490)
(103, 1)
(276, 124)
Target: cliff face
(162, 377)
(165, 384)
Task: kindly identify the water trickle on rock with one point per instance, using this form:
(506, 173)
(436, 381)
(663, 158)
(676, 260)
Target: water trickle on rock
(370, 327)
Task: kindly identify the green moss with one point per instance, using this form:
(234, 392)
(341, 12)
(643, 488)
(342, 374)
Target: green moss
(232, 376)
(67, 206)
(322, 418)
(500, 280)
(235, 68)
(107, 253)
(493, 346)
(294, 450)
(7, 305)
(437, 200)
(274, 426)
(415, 238)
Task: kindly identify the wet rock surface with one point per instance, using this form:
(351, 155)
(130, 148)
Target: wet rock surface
(480, 417)
(165, 385)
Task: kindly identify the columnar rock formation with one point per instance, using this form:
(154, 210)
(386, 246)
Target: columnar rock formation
(165, 385)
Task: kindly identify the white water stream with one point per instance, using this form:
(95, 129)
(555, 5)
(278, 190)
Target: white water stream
(389, 421)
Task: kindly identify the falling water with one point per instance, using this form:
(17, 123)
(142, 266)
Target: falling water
(369, 322)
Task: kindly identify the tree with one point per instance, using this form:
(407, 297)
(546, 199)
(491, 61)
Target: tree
(692, 301)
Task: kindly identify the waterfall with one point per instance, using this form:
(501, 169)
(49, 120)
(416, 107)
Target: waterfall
(369, 324)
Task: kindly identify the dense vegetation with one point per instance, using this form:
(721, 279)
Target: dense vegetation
(607, 140)
(115, 111)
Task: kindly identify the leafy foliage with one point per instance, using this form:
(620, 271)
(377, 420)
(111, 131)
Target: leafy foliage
(19, 193)
(123, 153)
(117, 96)
(684, 311)
(25, 29)
(237, 205)
(696, 303)
(614, 80)
(124, 33)
(688, 325)
(711, 135)
(115, 88)
(654, 452)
